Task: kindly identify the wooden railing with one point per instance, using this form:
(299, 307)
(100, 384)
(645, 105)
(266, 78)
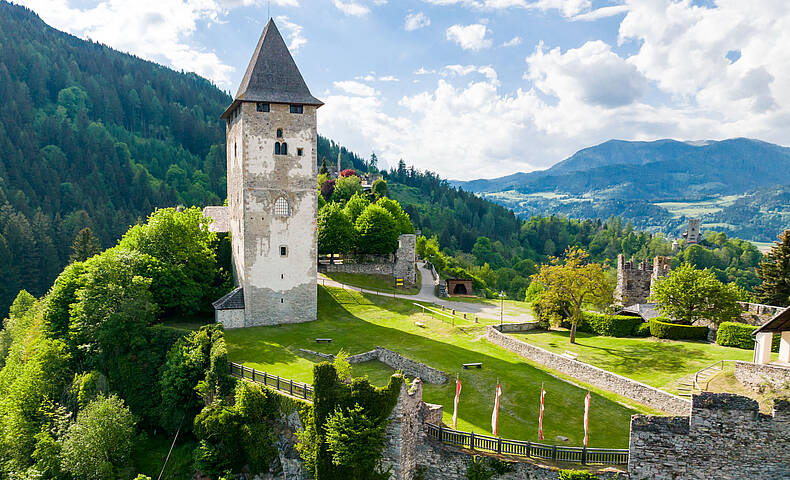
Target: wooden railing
(519, 448)
(286, 385)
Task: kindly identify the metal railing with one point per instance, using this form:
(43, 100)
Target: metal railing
(295, 389)
(707, 373)
(520, 448)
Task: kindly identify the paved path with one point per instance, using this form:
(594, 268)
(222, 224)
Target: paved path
(427, 294)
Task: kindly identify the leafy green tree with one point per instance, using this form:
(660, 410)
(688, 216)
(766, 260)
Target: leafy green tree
(345, 188)
(774, 271)
(335, 231)
(323, 170)
(98, 444)
(85, 246)
(379, 188)
(356, 205)
(188, 277)
(377, 232)
(572, 283)
(402, 221)
(688, 295)
(355, 440)
(199, 357)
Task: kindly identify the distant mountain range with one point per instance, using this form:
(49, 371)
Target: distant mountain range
(740, 186)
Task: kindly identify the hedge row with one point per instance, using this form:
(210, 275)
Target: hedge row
(739, 335)
(673, 331)
(609, 325)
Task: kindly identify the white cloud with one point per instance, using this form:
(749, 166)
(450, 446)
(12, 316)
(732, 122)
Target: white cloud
(469, 37)
(424, 71)
(591, 74)
(351, 8)
(567, 8)
(515, 41)
(159, 30)
(388, 78)
(247, 3)
(355, 88)
(415, 21)
(464, 70)
(600, 13)
(293, 33)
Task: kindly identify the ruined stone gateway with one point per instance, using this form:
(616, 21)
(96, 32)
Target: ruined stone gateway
(272, 197)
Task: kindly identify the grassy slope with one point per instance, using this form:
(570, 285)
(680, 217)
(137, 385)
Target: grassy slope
(660, 363)
(358, 323)
(511, 308)
(381, 283)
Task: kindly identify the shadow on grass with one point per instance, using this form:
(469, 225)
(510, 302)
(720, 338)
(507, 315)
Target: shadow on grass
(358, 322)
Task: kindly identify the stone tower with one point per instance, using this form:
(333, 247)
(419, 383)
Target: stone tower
(692, 235)
(272, 196)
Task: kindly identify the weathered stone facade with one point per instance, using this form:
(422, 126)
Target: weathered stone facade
(401, 264)
(274, 251)
(756, 313)
(635, 281)
(725, 437)
(759, 376)
(636, 391)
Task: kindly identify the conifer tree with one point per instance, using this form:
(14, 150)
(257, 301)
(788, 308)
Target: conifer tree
(323, 170)
(774, 271)
(85, 246)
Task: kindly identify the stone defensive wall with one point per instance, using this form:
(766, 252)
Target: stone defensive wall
(725, 437)
(759, 376)
(409, 367)
(598, 377)
(401, 264)
(757, 314)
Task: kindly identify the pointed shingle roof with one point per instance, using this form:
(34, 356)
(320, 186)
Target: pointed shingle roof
(272, 75)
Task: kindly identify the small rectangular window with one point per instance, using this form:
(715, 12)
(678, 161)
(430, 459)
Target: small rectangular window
(283, 251)
(263, 107)
(297, 109)
(300, 151)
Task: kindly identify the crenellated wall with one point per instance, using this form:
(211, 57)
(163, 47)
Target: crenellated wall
(401, 264)
(725, 437)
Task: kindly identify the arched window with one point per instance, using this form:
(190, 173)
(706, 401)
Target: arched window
(284, 149)
(279, 133)
(277, 148)
(281, 208)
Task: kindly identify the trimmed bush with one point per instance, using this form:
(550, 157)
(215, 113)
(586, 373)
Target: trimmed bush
(733, 334)
(674, 331)
(642, 330)
(576, 475)
(610, 325)
(739, 335)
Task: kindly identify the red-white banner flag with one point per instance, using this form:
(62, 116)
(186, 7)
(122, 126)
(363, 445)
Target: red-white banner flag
(495, 415)
(586, 415)
(455, 403)
(540, 421)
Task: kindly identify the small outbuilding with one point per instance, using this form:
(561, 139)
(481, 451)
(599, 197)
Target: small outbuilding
(779, 323)
(459, 286)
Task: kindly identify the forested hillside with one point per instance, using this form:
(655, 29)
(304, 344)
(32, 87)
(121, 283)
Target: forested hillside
(90, 137)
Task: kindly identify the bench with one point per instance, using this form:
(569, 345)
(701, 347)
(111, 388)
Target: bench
(570, 355)
(467, 366)
(323, 340)
(420, 324)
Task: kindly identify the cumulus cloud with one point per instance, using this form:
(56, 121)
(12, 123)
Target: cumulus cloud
(351, 8)
(355, 88)
(592, 74)
(293, 33)
(159, 30)
(567, 8)
(515, 41)
(415, 21)
(469, 37)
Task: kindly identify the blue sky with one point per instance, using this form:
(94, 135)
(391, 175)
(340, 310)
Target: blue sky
(484, 88)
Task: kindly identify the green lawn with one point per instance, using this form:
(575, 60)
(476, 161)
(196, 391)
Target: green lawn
(510, 308)
(381, 283)
(357, 323)
(660, 363)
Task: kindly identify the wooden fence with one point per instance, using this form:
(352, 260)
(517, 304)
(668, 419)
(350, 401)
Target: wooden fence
(519, 448)
(286, 385)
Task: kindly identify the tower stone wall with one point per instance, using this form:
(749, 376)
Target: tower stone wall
(635, 281)
(279, 285)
